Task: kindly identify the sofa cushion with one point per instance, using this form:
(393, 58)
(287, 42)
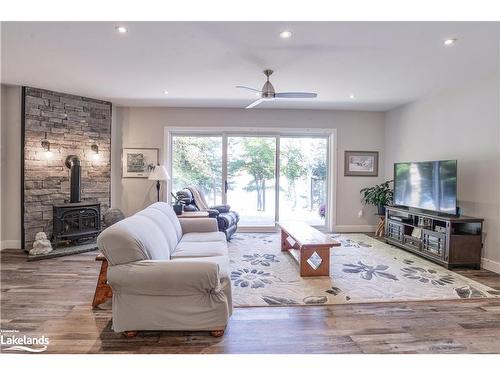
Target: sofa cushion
(170, 214)
(222, 261)
(200, 249)
(204, 237)
(164, 224)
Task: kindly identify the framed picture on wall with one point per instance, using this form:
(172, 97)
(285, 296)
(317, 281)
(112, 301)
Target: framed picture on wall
(139, 162)
(361, 163)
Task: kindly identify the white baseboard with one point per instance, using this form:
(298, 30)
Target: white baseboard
(10, 244)
(490, 265)
(354, 228)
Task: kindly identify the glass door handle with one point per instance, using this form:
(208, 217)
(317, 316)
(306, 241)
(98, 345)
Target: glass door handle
(225, 186)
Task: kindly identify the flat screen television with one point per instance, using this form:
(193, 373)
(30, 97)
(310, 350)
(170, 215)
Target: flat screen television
(427, 185)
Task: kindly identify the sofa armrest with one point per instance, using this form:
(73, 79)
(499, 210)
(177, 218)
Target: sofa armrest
(165, 278)
(212, 213)
(198, 224)
(224, 208)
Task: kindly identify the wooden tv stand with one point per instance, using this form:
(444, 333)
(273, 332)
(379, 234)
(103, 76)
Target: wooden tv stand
(451, 241)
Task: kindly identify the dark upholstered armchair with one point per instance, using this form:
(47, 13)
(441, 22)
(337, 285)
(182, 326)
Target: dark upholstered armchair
(227, 220)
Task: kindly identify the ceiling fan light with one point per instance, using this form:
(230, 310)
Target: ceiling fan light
(449, 41)
(121, 29)
(286, 34)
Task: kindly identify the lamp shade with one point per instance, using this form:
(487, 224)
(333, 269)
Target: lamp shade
(159, 174)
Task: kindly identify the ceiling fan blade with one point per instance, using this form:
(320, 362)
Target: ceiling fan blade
(296, 95)
(248, 88)
(255, 103)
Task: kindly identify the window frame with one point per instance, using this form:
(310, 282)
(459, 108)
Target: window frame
(254, 131)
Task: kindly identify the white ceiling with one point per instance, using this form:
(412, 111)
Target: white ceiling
(384, 64)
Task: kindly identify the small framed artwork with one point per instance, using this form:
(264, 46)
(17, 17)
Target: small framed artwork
(361, 163)
(139, 162)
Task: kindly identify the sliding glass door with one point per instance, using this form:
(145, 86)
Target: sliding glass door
(263, 178)
(303, 179)
(197, 161)
(251, 178)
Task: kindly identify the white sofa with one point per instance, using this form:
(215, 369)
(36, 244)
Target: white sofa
(166, 273)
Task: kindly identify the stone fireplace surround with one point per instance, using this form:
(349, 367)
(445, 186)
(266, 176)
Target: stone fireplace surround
(72, 124)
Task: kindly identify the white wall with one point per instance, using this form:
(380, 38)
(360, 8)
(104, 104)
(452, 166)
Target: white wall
(11, 167)
(3, 120)
(143, 127)
(462, 124)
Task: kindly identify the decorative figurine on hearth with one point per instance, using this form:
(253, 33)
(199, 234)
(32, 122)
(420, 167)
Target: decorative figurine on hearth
(41, 245)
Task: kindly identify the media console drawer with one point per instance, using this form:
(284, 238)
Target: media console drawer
(395, 230)
(433, 243)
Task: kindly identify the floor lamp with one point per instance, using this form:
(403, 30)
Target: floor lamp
(159, 174)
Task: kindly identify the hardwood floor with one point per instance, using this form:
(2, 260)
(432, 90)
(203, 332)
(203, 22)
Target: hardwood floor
(53, 298)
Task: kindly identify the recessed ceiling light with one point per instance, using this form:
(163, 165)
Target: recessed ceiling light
(286, 34)
(165, 92)
(121, 29)
(449, 41)
(352, 96)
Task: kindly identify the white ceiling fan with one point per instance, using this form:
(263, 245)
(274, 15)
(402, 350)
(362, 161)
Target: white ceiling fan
(267, 93)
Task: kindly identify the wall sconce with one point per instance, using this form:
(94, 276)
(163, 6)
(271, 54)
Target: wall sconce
(95, 149)
(46, 146)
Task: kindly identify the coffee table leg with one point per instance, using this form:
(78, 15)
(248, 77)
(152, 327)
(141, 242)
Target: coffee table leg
(284, 243)
(323, 268)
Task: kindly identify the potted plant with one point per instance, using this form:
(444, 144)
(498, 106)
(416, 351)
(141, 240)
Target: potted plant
(177, 205)
(379, 196)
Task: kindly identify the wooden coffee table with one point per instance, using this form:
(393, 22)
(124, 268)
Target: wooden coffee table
(308, 246)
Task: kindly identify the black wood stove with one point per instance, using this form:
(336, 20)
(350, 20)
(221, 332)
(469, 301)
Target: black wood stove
(77, 222)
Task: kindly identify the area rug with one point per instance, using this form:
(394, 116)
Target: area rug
(362, 270)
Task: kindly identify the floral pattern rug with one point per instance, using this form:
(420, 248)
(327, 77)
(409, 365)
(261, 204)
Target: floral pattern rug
(363, 269)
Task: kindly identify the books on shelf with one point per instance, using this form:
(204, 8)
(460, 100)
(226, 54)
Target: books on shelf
(401, 219)
(424, 222)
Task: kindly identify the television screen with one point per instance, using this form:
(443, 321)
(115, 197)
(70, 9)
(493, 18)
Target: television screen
(428, 185)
